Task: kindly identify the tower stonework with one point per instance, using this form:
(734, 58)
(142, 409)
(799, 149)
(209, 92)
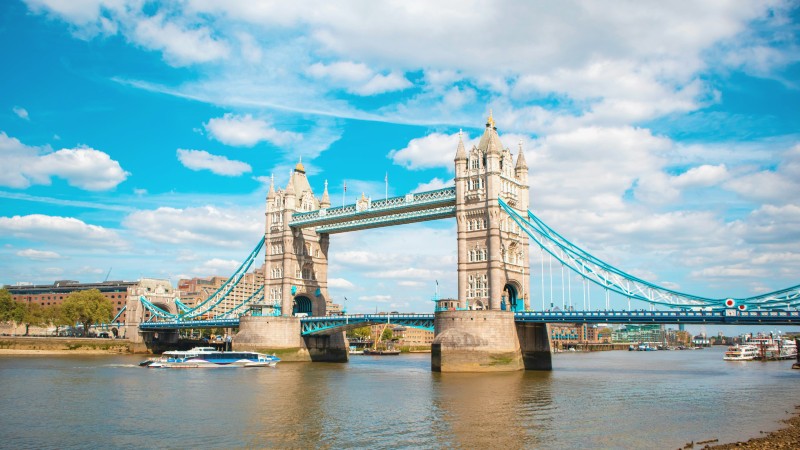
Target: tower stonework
(493, 266)
(295, 280)
(296, 259)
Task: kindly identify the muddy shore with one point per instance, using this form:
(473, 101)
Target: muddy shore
(784, 438)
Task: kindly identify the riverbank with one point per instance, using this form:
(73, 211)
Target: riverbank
(785, 438)
(20, 345)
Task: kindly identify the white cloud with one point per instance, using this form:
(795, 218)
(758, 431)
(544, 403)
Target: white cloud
(217, 266)
(66, 231)
(433, 150)
(340, 283)
(778, 186)
(702, 176)
(209, 225)
(220, 165)
(614, 64)
(375, 298)
(358, 78)
(433, 185)
(22, 113)
(181, 43)
(82, 167)
(38, 255)
(246, 131)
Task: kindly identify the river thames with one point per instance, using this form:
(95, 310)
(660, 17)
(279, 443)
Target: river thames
(618, 399)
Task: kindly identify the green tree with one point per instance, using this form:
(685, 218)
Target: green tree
(7, 305)
(55, 316)
(10, 310)
(387, 334)
(87, 307)
(33, 314)
(360, 333)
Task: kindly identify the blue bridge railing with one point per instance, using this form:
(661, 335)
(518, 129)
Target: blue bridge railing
(333, 324)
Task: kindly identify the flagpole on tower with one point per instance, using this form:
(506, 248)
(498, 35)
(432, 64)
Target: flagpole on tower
(344, 192)
(386, 180)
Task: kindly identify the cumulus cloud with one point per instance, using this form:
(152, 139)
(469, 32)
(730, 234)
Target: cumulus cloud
(220, 165)
(433, 185)
(779, 185)
(38, 255)
(613, 64)
(82, 167)
(209, 225)
(247, 131)
(181, 43)
(433, 150)
(340, 283)
(358, 78)
(67, 231)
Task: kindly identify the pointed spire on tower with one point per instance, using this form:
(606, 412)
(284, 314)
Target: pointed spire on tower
(290, 185)
(490, 120)
(521, 164)
(461, 153)
(326, 201)
(271, 192)
(299, 167)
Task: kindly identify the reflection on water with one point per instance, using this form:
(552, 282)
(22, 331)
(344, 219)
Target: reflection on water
(600, 400)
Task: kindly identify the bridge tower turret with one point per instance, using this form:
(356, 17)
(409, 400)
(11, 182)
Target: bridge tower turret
(296, 261)
(493, 266)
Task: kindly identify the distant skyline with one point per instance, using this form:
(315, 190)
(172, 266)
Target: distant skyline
(139, 139)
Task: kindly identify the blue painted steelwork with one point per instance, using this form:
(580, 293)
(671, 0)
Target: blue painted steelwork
(442, 212)
(418, 207)
(603, 274)
(309, 325)
(728, 317)
(333, 324)
(240, 309)
(181, 307)
(175, 325)
(114, 320)
(213, 300)
(217, 297)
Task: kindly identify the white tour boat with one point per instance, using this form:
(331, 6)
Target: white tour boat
(744, 352)
(203, 357)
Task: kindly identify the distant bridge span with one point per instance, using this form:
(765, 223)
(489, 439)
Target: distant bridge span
(337, 324)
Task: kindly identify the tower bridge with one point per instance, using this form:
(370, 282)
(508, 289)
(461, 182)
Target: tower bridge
(493, 326)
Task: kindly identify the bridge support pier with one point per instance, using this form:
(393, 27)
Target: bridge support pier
(281, 336)
(534, 341)
(488, 341)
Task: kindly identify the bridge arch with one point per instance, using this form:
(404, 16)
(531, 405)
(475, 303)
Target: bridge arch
(511, 297)
(302, 304)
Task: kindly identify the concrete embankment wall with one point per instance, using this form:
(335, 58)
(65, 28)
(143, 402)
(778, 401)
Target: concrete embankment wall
(77, 345)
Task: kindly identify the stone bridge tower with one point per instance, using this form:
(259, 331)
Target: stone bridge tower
(493, 266)
(296, 261)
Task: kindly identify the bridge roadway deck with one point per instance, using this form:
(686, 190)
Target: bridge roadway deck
(332, 324)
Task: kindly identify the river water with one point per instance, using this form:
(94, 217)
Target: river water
(618, 399)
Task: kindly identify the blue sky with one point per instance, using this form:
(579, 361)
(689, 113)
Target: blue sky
(139, 137)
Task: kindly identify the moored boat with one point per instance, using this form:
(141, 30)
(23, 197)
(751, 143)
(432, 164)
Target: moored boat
(379, 352)
(743, 352)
